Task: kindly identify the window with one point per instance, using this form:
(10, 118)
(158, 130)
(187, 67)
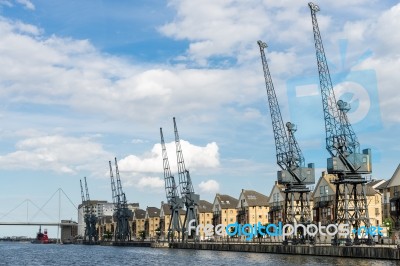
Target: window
(393, 206)
(323, 190)
(231, 211)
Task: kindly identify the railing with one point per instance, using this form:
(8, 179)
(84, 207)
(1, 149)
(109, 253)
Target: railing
(276, 206)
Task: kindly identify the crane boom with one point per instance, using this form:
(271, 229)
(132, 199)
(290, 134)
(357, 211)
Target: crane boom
(82, 194)
(113, 188)
(170, 185)
(185, 181)
(341, 140)
(172, 194)
(87, 190)
(288, 153)
(281, 139)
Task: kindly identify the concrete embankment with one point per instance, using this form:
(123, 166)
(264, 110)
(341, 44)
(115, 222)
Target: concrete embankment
(126, 244)
(375, 252)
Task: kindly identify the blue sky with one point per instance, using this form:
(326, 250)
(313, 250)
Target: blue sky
(84, 81)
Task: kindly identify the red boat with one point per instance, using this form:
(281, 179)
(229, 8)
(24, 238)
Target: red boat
(41, 238)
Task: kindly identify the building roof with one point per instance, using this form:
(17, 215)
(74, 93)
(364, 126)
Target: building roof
(376, 183)
(204, 206)
(254, 198)
(383, 185)
(369, 190)
(139, 214)
(166, 209)
(395, 179)
(153, 212)
(226, 201)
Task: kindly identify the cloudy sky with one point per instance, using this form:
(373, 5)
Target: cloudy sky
(82, 82)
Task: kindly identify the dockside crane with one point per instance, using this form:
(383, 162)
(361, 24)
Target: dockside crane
(86, 215)
(294, 175)
(92, 234)
(172, 193)
(190, 199)
(346, 161)
(123, 213)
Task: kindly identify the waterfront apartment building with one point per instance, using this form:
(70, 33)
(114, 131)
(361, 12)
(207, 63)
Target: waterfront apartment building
(224, 209)
(152, 222)
(165, 219)
(138, 224)
(252, 208)
(205, 215)
(385, 192)
(393, 187)
(96, 206)
(276, 203)
(105, 227)
(325, 197)
(324, 200)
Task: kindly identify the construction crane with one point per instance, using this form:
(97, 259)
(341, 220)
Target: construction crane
(122, 214)
(189, 198)
(346, 161)
(294, 175)
(93, 235)
(86, 215)
(173, 198)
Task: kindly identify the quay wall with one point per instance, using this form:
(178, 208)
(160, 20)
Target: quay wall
(126, 244)
(375, 252)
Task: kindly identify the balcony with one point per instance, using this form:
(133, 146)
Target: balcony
(324, 201)
(276, 206)
(241, 211)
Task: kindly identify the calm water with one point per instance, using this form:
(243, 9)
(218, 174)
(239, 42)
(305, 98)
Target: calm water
(31, 254)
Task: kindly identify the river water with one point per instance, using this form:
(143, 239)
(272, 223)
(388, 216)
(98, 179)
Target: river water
(52, 254)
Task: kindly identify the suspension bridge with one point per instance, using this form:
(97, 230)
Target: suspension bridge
(28, 213)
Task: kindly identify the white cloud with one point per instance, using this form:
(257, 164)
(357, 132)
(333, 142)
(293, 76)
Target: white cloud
(150, 182)
(210, 186)
(55, 152)
(151, 162)
(27, 4)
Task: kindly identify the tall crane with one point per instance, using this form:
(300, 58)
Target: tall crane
(122, 213)
(294, 175)
(86, 215)
(171, 190)
(190, 199)
(346, 161)
(92, 218)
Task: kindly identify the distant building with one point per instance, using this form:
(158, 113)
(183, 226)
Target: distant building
(325, 197)
(252, 208)
(138, 223)
(276, 202)
(394, 190)
(324, 200)
(224, 209)
(152, 221)
(68, 232)
(205, 215)
(165, 219)
(385, 192)
(98, 209)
